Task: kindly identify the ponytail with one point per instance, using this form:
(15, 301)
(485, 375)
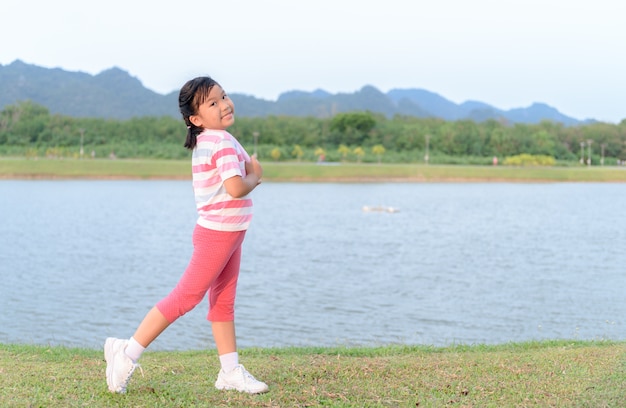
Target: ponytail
(192, 135)
(191, 96)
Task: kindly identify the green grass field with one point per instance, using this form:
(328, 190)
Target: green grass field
(19, 168)
(535, 374)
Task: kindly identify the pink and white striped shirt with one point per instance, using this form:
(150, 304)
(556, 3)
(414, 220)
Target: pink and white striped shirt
(218, 156)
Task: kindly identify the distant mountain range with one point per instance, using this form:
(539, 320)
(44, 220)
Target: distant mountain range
(115, 94)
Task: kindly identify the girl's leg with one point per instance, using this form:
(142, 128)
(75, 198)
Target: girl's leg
(152, 325)
(224, 335)
(222, 305)
(232, 376)
(213, 251)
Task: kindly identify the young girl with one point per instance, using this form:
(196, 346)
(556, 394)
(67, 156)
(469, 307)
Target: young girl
(223, 175)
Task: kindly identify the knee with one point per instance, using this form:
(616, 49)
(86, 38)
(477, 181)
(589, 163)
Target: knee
(176, 304)
(222, 313)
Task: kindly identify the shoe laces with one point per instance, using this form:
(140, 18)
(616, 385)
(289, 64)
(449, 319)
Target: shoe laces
(247, 375)
(133, 367)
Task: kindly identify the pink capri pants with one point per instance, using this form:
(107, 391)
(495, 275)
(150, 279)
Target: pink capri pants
(214, 268)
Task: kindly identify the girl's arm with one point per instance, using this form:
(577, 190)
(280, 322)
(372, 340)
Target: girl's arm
(239, 186)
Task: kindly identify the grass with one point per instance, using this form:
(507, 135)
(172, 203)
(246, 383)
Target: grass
(533, 374)
(437, 173)
(73, 168)
(22, 168)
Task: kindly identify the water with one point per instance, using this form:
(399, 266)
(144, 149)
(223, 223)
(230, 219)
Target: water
(459, 263)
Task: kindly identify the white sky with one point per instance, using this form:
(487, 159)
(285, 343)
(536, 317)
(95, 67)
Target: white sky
(507, 53)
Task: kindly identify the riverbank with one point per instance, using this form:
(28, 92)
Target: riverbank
(20, 168)
(545, 374)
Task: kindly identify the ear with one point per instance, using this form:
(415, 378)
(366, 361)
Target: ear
(195, 120)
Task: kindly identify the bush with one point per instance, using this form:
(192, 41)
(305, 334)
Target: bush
(529, 160)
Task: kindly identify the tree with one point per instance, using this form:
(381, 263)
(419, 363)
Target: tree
(378, 150)
(22, 124)
(343, 151)
(543, 143)
(275, 153)
(321, 154)
(297, 152)
(29, 129)
(359, 153)
(352, 128)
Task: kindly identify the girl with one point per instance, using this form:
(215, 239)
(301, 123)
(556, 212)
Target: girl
(223, 176)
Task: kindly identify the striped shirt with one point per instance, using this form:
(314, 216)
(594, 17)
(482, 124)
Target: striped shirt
(218, 156)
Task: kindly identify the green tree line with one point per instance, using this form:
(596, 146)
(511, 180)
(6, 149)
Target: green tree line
(29, 129)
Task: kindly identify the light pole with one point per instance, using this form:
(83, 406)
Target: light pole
(256, 140)
(82, 137)
(603, 145)
(426, 152)
(582, 152)
(589, 141)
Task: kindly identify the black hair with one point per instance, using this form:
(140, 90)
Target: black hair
(191, 96)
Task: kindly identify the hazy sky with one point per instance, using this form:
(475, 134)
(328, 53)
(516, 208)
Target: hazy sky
(507, 53)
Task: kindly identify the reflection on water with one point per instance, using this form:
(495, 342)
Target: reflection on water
(459, 263)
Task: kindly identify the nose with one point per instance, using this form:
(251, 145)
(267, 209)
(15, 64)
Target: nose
(225, 106)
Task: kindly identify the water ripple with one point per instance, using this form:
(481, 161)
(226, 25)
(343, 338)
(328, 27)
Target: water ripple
(460, 263)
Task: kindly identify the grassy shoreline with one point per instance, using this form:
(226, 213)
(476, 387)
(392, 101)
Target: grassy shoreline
(543, 374)
(21, 168)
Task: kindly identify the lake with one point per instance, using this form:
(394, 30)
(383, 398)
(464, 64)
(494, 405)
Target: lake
(464, 263)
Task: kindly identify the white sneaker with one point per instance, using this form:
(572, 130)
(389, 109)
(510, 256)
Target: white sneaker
(119, 366)
(241, 380)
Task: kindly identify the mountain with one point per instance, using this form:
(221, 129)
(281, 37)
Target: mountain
(115, 94)
(110, 94)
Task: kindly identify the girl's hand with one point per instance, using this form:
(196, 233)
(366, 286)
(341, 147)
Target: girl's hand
(240, 186)
(254, 167)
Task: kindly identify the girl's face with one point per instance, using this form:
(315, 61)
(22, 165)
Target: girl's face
(216, 112)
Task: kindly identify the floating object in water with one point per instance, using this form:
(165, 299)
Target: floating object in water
(380, 208)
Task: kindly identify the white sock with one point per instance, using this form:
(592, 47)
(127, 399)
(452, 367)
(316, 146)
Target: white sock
(229, 361)
(134, 349)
